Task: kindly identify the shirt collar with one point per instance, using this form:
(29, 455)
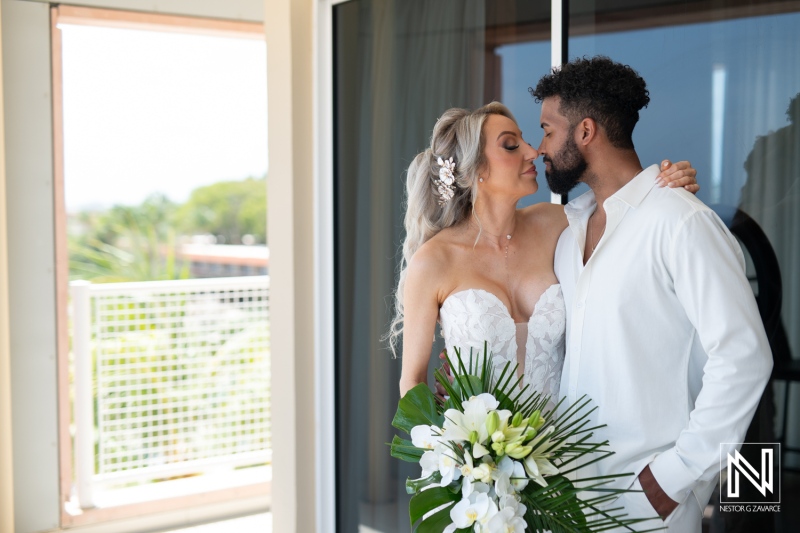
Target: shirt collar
(633, 193)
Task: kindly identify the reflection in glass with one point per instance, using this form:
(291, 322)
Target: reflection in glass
(398, 66)
(761, 60)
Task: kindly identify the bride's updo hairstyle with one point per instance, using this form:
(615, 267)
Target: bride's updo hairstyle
(458, 134)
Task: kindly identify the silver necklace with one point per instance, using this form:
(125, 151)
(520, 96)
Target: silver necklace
(508, 240)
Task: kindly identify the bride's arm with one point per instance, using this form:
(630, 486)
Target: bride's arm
(421, 309)
(680, 174)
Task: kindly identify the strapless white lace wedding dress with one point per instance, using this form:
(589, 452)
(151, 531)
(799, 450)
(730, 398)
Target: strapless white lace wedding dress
(471, 317)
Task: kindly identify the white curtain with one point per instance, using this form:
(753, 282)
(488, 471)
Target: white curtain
(408, 61)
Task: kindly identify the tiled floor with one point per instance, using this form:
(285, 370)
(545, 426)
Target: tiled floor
(259, 523)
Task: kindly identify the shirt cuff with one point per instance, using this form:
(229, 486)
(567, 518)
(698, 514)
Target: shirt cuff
(672, 475)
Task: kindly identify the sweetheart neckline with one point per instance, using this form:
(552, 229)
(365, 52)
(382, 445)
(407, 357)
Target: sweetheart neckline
(502, 304)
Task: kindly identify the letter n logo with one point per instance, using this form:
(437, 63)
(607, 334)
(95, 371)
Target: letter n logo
(753, 468)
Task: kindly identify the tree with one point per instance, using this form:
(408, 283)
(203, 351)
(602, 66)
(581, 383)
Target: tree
(126, 243)
(229, 209)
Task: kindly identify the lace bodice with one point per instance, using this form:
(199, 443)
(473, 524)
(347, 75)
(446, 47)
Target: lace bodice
(472, 316)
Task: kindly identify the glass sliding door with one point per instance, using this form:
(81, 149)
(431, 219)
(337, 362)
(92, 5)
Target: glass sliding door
(724, 80)
(397, 66)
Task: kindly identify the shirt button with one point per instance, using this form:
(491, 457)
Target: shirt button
(580, 305)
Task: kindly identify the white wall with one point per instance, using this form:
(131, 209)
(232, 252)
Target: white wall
(6, 458)
(28, 212)
(289, 27)
(31, 263)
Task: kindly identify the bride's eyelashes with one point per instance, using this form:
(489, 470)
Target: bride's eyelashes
(511, 148)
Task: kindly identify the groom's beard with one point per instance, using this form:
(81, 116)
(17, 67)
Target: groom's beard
(566, 168)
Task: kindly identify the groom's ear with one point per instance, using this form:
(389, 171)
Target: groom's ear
(586, 131)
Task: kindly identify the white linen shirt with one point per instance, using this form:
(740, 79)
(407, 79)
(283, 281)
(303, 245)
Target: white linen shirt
(663, 334)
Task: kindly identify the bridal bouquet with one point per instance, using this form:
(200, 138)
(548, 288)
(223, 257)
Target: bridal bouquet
(494, 460)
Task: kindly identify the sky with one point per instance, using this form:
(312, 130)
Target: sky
(149, 112)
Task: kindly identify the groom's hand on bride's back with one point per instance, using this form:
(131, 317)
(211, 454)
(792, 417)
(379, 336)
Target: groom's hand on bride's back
(680, 174)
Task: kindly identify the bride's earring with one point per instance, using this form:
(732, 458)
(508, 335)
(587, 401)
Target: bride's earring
(480, 179)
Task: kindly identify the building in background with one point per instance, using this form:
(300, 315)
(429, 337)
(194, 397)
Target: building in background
(224, 260)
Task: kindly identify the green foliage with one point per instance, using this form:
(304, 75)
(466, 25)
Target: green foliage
(425, 501)
(126, 243)
(417, 407)
(562, 506)
(139, 243)
(229, 209)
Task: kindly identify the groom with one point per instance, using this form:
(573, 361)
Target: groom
(663, 332)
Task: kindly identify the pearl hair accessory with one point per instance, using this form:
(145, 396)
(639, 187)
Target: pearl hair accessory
(446, 180)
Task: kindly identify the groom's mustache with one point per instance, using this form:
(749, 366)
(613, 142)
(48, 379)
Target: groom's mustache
(546, 159)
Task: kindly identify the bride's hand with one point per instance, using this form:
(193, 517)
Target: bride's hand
(440, 392)
(680, 174)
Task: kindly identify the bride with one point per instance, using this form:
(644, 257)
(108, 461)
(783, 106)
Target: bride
(474, 262)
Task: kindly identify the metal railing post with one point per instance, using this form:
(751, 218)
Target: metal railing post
(84, 396)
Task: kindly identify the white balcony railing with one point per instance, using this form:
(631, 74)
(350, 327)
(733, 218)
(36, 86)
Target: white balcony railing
(172, 378)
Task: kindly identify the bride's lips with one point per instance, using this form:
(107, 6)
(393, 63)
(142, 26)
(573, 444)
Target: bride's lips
(531, 171)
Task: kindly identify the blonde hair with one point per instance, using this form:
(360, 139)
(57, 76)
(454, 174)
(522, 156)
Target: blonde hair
(458, 134)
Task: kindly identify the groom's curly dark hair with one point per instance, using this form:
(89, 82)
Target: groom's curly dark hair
(610, 93)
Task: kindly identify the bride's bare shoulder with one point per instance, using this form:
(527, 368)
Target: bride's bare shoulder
(430, 262)
(431, 255)
(429, 273)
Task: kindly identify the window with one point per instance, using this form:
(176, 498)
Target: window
(164, 128)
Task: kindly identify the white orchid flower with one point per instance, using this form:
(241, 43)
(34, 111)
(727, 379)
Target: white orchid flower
(468, 487)
(470, 510)
(466, 468)
(538, 466)
(506, 521)
(511, 502)
(503, 486)
(509, 477)
(429, 463)
(458, 426)
(518, 478)
(448, 466)
(488, 400)
(482, 523)
(479, 450)
(426, 437)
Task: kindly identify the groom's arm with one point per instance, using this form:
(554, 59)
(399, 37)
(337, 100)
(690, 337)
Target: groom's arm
(707, 268)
